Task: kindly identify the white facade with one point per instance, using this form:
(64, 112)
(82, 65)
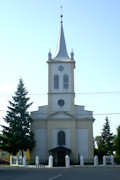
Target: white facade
(61, 127)
(82, 142)
(41, 146)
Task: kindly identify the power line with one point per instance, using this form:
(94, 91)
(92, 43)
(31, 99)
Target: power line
(94, 114)
(107, 114)
(28, 94)
(105, 92)
(101, 92)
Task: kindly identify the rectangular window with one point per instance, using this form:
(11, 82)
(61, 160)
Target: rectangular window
(61, 138)
(66, 81)
(56, 82)
(3, 154)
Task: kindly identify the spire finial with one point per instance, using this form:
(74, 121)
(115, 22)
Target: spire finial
(61, 15)
(72, 55)
(49, 55)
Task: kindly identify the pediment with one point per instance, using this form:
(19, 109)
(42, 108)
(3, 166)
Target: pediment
(60, 115)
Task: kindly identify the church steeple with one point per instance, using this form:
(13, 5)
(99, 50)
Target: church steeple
(61, 78)
(61, 52)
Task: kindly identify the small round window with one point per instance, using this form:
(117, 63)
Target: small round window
(61, 68)
(61, 102)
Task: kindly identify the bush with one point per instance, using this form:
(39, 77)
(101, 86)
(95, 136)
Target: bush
(117, 159)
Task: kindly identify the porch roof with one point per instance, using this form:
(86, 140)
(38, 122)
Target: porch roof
(60, 148)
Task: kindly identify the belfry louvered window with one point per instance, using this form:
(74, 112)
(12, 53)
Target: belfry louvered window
(61, 138)
(56, 82)
(66, 81)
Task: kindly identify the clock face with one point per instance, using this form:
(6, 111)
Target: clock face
(61, 68)
(61, 102)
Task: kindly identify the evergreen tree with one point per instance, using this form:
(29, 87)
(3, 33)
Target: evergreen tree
(105, 141)
(107, 138)
(18, 135)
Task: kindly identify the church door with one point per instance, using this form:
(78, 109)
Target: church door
(61, 158)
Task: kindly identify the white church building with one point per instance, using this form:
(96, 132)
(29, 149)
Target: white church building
(61, 127)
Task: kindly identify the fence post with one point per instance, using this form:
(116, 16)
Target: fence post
(50, 164)
(67, 161)
(11, 157)
(24, 161)
(112, 159)
(96, 161)
(37, 161)
(17, 161)
(82, 161)
(104, 160)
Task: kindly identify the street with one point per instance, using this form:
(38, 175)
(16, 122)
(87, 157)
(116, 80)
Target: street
(15, 173)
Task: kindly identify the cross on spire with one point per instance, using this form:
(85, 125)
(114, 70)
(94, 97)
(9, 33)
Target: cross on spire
(61, 15)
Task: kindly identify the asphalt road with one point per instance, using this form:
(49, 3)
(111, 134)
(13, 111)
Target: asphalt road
(15, 173)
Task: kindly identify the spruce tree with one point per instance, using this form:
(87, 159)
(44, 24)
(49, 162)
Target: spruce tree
(18, 134)
(107, 138)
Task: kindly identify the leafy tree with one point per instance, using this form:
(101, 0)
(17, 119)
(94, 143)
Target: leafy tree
(100, 151)
(18, 134)
(117, 143)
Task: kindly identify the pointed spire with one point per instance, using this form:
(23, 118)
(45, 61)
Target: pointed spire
(61, 51)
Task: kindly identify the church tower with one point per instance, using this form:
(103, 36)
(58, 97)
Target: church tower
(62, 128)
(61, 78)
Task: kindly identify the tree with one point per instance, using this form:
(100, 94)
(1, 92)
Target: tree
(107, 138)
(100, 151)
(105, 141)
(117, 142)
(18, 134)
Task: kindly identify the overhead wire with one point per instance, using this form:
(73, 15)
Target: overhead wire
(94, 114)
(99, 92)
(82, 93)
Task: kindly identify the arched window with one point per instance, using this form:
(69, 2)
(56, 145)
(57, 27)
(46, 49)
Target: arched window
(56, 81)
(61, 138)
(66, 81)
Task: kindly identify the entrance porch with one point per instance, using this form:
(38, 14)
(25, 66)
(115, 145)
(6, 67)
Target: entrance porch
(59, 154)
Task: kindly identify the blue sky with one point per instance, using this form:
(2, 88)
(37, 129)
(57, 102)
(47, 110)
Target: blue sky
(28, 29)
